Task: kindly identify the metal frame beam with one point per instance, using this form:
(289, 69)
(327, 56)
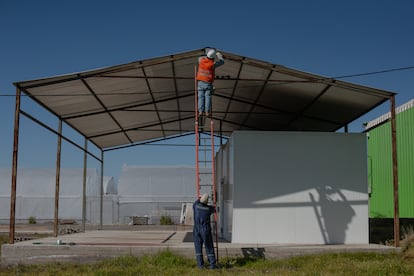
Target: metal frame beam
(57, 181)
(14, 167)
(395, 173)
(60, 136)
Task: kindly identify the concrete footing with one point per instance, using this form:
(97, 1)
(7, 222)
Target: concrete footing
(96, 245)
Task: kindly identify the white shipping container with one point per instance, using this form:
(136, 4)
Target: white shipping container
(294, 187)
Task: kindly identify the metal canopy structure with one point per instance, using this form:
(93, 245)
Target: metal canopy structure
(154, 99)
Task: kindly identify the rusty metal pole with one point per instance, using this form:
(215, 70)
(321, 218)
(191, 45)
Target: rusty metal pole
(102, 190)
(221, 133)
(85, 160)
(57, 187)
(395, 174)
(14, 166)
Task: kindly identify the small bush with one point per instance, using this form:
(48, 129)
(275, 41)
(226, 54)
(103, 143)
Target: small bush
(4, 238)
(166, 220)
(407, 231)
(32, 220)
(407, 244)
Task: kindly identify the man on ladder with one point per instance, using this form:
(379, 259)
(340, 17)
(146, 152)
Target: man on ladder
(202, 231)
(205, 80)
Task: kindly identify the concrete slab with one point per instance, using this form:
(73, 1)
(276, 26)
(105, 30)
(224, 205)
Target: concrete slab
(96, 245)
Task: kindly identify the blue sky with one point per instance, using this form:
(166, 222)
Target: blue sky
(331, 38)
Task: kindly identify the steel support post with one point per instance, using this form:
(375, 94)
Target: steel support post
(102, 191)
(395, 173)
(14, 167)
(85, 170)
(57, 183)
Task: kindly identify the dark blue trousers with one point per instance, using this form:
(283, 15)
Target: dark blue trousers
(202, 235)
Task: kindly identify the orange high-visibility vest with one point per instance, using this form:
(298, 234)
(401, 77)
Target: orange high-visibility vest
(205, 70)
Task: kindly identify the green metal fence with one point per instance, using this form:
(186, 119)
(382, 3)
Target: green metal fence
(380, 164)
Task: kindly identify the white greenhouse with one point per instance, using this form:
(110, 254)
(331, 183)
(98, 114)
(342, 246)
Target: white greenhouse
(35, 194)
(154, 192)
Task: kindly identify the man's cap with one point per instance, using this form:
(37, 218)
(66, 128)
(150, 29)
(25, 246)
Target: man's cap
(204, 198)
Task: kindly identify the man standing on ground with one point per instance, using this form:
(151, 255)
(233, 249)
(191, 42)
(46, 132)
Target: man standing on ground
(202, 231)
(205, 79)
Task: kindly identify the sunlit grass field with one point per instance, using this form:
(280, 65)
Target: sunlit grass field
(168, 263)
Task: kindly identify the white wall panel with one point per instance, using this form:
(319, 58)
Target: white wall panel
(299, 187)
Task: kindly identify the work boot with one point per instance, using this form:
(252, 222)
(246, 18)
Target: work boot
(212, 261)
(200, 261)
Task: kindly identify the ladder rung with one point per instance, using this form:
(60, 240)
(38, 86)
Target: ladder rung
(205, 147)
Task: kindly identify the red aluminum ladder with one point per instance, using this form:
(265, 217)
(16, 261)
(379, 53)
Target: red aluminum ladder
(205, 165)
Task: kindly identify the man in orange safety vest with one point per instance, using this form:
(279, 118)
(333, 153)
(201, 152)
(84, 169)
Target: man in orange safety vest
(205, 79)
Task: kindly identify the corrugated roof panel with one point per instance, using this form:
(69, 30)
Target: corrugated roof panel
(143, 119)
(159, 70)
(187, 104)
(132, 119)
(145, 134)
(249, 90)
(340, 105)
(233, 114)
(185, 68)
(168, 110)
(308, 124)
(290, 98)
(117, 92)
(162, 88)
(66, 99)
(90, 125)
(111, 140)
(185, 86)
(267, 121)
(229, 70)
(159, 91)
(252, 72)
(176, 126)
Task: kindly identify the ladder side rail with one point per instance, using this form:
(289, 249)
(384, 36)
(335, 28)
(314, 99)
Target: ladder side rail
(213, 176)
(196, 133)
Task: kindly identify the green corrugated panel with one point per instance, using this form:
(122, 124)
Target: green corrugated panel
(405, 124)
(380, 165)
(379, 156)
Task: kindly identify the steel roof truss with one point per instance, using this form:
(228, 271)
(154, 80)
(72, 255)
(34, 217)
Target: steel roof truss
(103, 106)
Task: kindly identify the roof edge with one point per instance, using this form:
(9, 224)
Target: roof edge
(387, 116)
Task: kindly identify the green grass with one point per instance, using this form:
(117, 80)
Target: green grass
(168, 263)
(4, 239)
